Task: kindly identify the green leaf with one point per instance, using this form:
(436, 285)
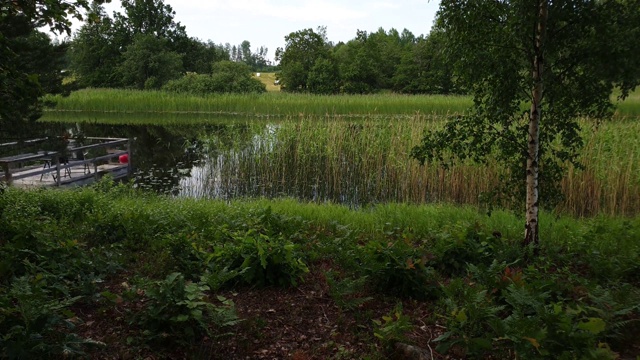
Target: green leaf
(182, 318)
(461, 316)
(594, 325)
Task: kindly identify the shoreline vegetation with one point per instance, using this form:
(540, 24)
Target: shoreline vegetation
(275, 104)
(378, 147)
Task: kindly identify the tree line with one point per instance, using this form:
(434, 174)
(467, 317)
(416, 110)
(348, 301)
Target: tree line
(144, 48)
(371, 62)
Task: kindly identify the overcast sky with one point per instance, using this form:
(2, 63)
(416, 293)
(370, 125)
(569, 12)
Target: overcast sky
(267, 22)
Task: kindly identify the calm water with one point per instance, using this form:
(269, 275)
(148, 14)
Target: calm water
(236, 159)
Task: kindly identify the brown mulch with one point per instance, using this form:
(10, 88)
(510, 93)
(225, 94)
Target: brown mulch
(277, 323)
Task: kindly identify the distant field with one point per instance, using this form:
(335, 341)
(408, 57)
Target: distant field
(268, 79)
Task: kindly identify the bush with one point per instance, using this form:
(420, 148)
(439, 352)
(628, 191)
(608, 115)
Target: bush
(227, 77)
(178, 311)
(400, 268)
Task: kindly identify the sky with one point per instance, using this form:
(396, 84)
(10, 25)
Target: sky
(267, 22)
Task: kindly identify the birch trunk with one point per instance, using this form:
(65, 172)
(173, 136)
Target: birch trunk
(532, 203)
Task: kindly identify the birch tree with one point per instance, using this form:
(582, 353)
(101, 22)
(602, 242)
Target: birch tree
(534, 68)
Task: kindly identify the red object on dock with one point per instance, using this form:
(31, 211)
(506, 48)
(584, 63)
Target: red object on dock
(124, 159)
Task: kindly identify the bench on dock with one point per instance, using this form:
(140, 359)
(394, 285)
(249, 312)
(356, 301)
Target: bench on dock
(31, 168)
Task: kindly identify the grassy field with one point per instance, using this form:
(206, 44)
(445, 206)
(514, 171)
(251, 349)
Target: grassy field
(263, 105)
(277, 104)
(109, 272)
(268, 79)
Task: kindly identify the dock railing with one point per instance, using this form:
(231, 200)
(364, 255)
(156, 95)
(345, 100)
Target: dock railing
(45, 162)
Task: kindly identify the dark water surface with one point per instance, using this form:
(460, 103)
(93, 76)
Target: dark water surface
(225, 161)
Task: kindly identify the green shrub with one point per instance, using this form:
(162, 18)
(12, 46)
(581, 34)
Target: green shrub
(347, 293)
(516, 315)
(178, 312)
(260, 260)
(226, 77)
(400, 268)
(464, 244)
(393, 327)
(36, 323)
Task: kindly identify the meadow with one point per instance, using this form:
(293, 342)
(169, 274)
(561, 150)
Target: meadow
(277, 104)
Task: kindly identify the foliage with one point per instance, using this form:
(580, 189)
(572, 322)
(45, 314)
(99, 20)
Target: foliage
(31, 66)
(392, 328)
(144, 46)
(323, 77)
(567, 303)
(303, 48)
(31, 317)
(347, 293)
(399, 267)
(463, 244)
(260, 259)
(226, 77)
(551, 75)
(497, 313)
(24, 76)
(179, 312)
(424, 68)
(95, 53)
(147, 64)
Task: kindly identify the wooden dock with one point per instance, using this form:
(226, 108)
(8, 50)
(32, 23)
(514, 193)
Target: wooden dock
(76, 166)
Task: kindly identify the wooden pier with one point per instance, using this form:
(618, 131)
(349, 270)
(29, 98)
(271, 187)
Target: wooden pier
(75, 166)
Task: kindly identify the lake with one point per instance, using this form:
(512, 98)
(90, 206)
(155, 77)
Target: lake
(353, 162)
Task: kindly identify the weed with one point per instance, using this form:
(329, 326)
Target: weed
(400, 268)
(178, 312)
(36, 323)
(393, 327)
(347, 292)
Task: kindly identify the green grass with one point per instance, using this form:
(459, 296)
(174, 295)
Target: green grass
(268, 79)
(269, 104)
(274, 104)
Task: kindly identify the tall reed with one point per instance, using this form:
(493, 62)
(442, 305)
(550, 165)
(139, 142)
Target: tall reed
(369, 162)
(267, 105)
(263, 105)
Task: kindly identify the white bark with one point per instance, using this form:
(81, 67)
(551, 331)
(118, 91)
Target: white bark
(531, 235)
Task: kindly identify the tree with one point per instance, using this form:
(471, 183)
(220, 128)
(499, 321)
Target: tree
(358, 70)
(301, 51)
(424, 69)
(96, 52)
(98, 49)
(323, 77)
(150, 17)
(20, 87)
(561, 59)
(148, 64)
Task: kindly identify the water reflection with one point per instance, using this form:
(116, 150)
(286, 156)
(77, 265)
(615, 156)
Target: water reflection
(354, 163)
(164, 156)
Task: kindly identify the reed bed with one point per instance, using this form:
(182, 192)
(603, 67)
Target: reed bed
(369, 162)
(262, 105)
(269, 105)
